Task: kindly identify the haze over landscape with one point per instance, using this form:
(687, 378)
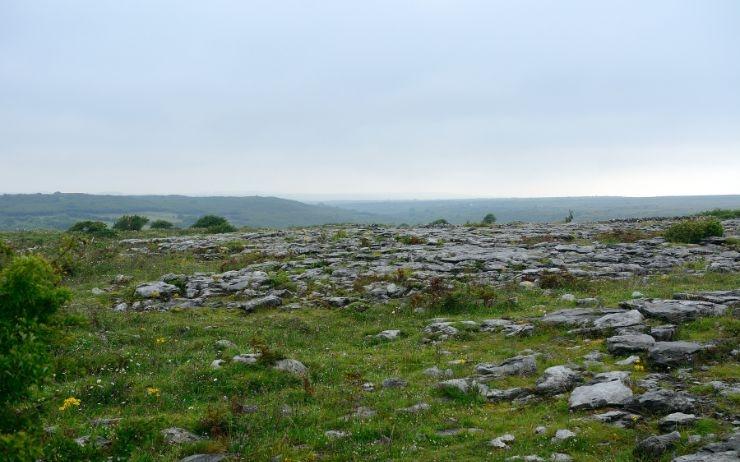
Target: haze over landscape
(375, 100)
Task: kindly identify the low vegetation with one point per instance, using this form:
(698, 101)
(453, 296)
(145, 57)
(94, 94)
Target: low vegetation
(722, 214)
(693, 231)
(117, 379)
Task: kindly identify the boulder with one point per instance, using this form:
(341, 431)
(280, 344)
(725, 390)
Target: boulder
(156, 289)
(662, 401)
(556, 380)
(293, 366)
(654, 446)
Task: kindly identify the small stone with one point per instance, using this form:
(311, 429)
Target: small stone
(335, 434)
(217, 363)
(175, 435)
(248, 358)
(560, 457)
(394, 382)
(562, 435)
(291, 365)
(628, 361)
(540, 430)
(416, 408)
(437, 372)
(389, 335)
(204, 458)
(502, 442)
(224, 344)
(368, 387)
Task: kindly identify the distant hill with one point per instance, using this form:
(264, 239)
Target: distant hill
(539, 209)
(60, 210)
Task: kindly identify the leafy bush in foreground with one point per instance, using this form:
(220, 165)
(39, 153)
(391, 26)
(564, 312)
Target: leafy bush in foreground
(93, 228)
(29, 296)
(214, 224)
(130, 223)
(693, 231)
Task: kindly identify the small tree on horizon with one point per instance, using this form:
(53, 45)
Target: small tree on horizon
(489, 219)
(130, 223)
(161, 224)
(214, 224)
(93, 228)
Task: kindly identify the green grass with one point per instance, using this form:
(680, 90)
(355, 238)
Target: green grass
(112, 362)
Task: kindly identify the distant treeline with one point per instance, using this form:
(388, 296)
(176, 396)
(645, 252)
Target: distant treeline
(62, 210)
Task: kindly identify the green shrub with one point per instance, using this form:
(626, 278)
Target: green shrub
(617, 236)
(161, 224)
(693, 231)
(94, 228)
(214, 224)
(439, 221)
(489, 219)
(562, 280)
(130, 223)
(6, 254)
(410, 239)
(722, 214)
(569, 217)
(29, 295)
(18, 447)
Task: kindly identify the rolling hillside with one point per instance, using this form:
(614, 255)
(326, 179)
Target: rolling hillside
(60, 210)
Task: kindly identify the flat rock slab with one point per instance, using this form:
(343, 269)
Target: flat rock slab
(579, 317)
(613, 393)
(675, 311)
(156, 289)
(518, 365)
(630, 343)
(662, 401)
(623, 319)
(672, 354)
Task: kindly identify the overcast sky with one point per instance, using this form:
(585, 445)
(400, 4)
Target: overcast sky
(397, 98)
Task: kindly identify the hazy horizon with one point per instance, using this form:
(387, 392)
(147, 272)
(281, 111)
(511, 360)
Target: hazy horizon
(397, 100)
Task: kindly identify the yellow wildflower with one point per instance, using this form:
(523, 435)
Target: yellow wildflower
(69, 402)
(160, 340)
(152, 391)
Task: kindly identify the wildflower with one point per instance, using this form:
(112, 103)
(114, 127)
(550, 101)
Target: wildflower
(160, 340)
(69, 402)
(152, 391)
